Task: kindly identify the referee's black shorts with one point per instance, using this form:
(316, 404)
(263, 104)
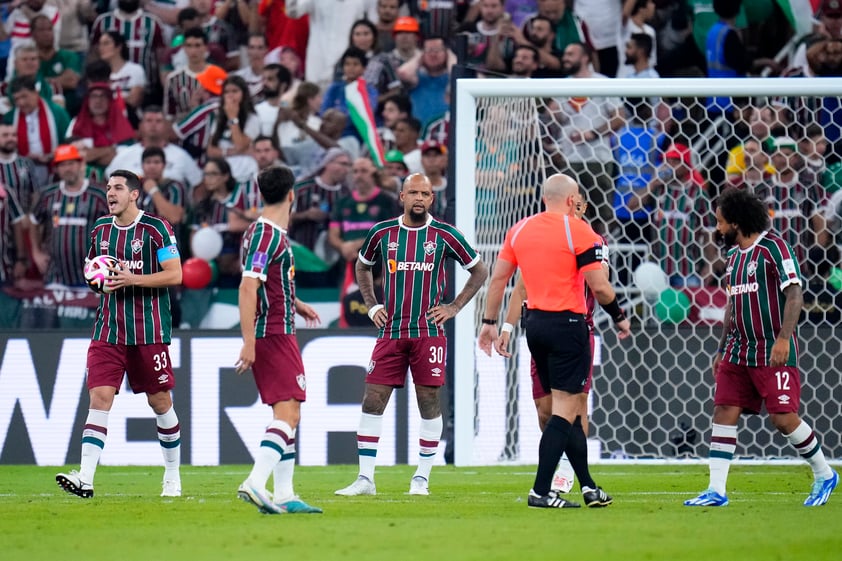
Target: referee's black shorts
(561, 349)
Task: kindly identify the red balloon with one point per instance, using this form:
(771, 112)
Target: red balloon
(196, 273)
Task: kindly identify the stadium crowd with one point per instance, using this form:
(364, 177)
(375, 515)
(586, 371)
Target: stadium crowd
(197, 97)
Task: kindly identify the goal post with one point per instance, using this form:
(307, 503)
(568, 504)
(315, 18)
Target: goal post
(653, 393)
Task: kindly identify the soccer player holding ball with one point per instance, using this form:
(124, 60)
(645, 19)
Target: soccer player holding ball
(756, 363)
(132, 331)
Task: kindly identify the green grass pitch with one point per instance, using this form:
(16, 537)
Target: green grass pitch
(471, 514)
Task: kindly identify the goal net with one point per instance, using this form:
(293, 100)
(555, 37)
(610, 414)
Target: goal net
(651, 159)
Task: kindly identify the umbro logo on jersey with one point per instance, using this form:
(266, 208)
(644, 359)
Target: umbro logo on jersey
(783, 399)
(137, 245)
(302, 382)
(103, 246)
(393, 246)
(751, 268)
(163, 378)
(429, 247)
(436, 372)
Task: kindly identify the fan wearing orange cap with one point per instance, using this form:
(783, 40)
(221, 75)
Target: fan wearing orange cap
(406, 34)
(62, 217)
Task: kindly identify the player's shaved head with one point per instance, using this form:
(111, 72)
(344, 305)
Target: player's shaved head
(416, 180)
(558, 187)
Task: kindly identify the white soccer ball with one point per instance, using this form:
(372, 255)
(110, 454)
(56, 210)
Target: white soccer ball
(97, 273)
(651, 280)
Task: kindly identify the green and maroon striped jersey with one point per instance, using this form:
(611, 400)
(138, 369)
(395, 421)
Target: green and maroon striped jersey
(17, 175)
(267, 256)
(10, 214)
(196, 129)
(134, 315)
(757, 277)
(144, 36)
(67, 217)
(178, 92)
(414, 277)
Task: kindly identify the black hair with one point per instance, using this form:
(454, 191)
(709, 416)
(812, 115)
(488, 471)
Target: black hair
(284, 77)
(275, 183)
(98, 71)
(152, 152)
(132, 180)
(535, 56)
(195, 33)
(643, 41)
(413, 123)
(23, 83)
(353, 52)
(271, 139)
(375, 47)
(402, 102)
(186, 14)
(745, 209)
(224, 169)
(727, 9)
(246, 108)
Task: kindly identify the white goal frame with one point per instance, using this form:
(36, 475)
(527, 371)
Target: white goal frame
(468, 91)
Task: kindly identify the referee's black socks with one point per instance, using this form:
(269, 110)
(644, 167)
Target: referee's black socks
(577, 453)
(553, 443)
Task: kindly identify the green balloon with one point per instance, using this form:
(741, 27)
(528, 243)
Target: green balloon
(214, 266)
(673, 306)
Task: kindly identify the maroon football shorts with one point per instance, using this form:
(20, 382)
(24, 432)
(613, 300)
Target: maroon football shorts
(424, 356)
(148, 367)
(779, 387)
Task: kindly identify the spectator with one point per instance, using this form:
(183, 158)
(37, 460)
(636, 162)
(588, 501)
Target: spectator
(179, 166)
(217, 208)
(567, 27)
(406, 33)
(315, 198)
(484, 36)
(18, 26)
(253, 72)
(603, 19)
(525, 61)
(305, 156)
(327, 25)
(175, 57)
(280, 29)
(407, 132)
(162, 196)
(812, 145)
(59, 67)
(434, 164)
(102, 123)
(144, 35)
(829, 17)
(14, 259)
(538, 32)
(33, 113)
(237, 16)
(17, 173)
(195, 129)
(392, 110)
(427, 77)
(683, 219)
(27, 64)
(636, 14)
(276, 81)
(267, 153)
(127, 77)
(756, 169)
(378, 71)
(289, 59)
(353, 67)
(637, 52)
(387, 15)
(394, 171)
(237, 125)
(583, 139)
(76, 16)
(440, 19)
(183, 92)
(353, 216)
(62, 217)
(218, 32)
(304, 111)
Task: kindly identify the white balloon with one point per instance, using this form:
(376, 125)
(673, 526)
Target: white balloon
(651, 280)
(206, 244)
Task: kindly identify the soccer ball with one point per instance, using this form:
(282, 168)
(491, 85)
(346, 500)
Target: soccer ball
(97, 273)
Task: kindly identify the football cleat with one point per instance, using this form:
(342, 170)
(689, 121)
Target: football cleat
(551, 500)
(258, 497)
(171, 488)
(73, 484)
(297, 506)
(821, 490)
(362, 486)
(595, 498)
(708, 497)
(418, 486)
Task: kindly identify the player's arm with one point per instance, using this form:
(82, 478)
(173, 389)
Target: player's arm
(169, 275)
(248, 310)
(597, 279)
(792, 311)
(503, 271)
(443, 312)
(365, 280)
(310, 315)
(723, 338)
(501, 345)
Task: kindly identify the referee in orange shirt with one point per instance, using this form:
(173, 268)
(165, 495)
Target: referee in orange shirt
(556, 253)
